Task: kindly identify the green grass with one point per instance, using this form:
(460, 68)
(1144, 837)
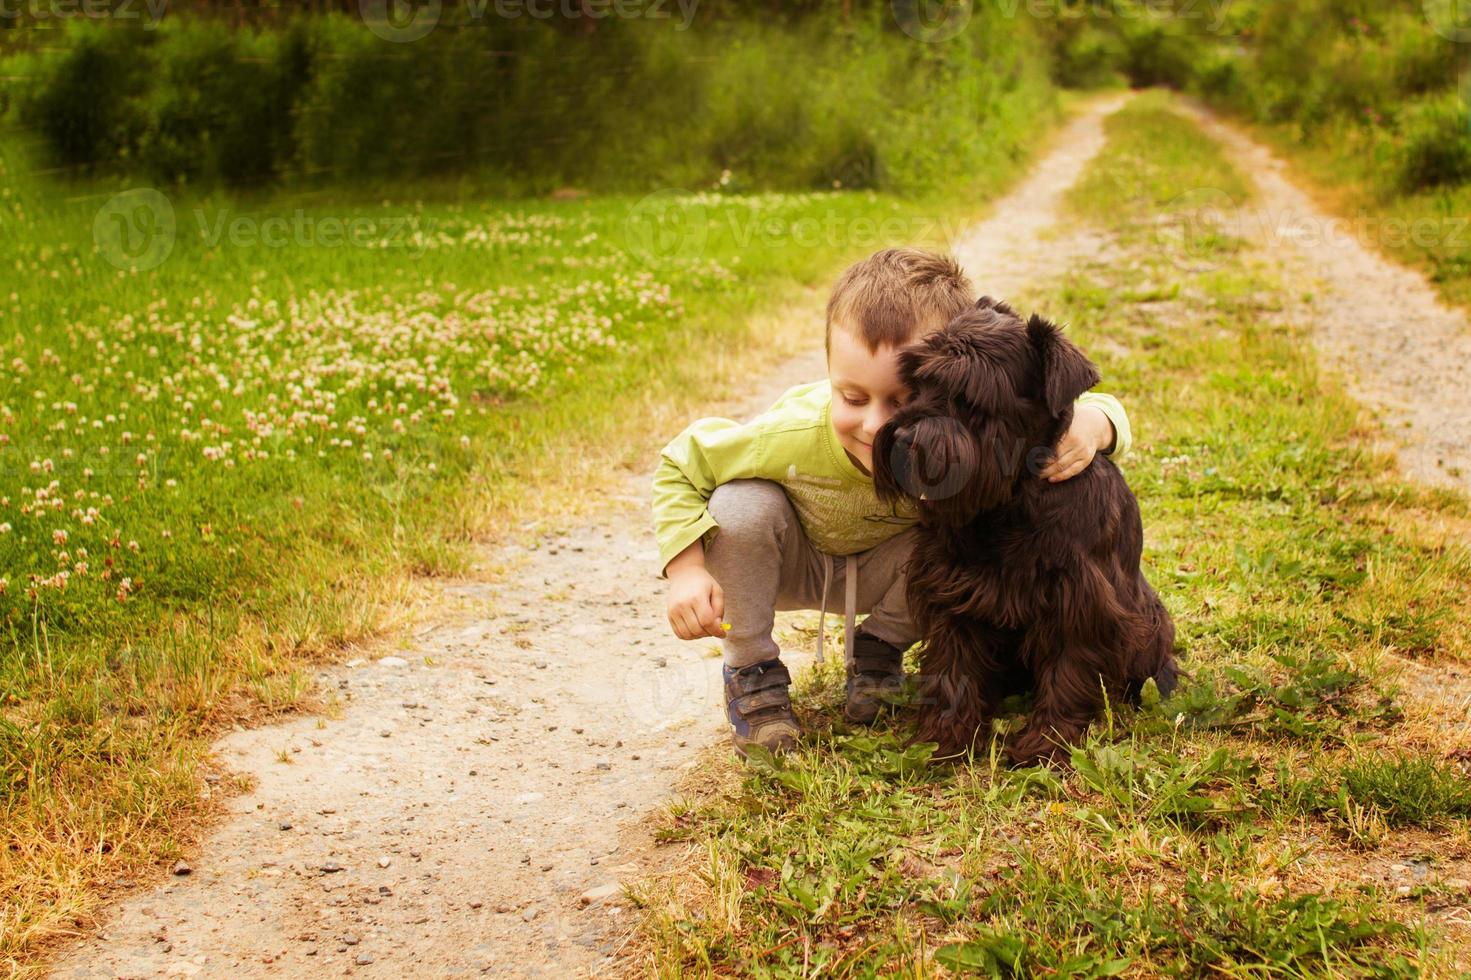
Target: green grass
(1406, 791)
(1233, 829)
(217, 468)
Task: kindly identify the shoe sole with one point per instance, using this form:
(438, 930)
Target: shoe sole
(740, 747)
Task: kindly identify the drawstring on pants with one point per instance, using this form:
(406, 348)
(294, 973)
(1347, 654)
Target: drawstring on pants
(850, 601)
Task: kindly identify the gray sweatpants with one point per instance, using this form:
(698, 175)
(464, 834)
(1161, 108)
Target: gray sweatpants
(764, 561)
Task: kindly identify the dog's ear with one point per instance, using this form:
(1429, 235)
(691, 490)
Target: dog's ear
(1066, 372)
(987, 303)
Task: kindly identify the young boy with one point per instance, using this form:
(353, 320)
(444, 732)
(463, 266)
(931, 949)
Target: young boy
(750, 517)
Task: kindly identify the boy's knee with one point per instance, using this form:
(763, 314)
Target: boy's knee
(748, 508)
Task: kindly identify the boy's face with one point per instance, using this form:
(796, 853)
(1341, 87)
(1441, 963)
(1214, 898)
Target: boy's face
(866, 392)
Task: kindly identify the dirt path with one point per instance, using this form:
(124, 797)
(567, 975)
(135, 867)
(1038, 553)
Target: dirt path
(1378, 324)
(478, 781)
(1022, 241)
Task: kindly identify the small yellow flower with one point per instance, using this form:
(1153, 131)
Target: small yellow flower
(725, 626)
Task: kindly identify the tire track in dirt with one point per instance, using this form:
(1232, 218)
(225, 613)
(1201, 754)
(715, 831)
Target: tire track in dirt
(1379, 324)
(482, 792)
(1023, 242)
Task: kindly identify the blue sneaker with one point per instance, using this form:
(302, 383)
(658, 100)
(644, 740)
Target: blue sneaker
(759, 705)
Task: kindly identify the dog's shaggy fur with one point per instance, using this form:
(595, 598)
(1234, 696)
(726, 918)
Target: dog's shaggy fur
(1016, 583)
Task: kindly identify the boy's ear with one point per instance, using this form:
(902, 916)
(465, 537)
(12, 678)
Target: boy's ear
(1066, 372)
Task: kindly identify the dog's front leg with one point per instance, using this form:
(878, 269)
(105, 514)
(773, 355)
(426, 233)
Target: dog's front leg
(959, 685)
(1069, 695)
(1075, 655)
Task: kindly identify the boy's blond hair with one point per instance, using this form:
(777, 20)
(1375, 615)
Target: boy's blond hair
(898, 295)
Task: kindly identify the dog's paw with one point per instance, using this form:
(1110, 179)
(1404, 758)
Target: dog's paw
(1031, 747)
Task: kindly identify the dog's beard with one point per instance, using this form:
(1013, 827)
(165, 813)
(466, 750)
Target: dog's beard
(953, 471)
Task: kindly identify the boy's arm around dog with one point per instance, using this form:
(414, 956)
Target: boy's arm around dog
(1111, 407)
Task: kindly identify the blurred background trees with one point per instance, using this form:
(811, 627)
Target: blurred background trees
(781, 93)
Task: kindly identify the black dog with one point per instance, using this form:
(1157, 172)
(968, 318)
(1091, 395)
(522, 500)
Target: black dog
(1016, 583)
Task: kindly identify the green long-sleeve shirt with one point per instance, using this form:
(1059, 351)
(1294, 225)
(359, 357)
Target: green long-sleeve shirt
(794, 444)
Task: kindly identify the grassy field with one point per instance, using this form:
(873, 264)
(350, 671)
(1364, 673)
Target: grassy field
(1299, 808)
(234, 429)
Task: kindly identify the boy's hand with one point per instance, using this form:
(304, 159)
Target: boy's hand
(1090, 433)
(696, 604)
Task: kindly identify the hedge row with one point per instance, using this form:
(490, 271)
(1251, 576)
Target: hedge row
(634, 103)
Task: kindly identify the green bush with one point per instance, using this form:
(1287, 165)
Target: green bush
(84, 104)
(1088, 57)
(1221, 78)
(1437, 144)
(631, 105)
(1422, 60)
(1368, 80)
(1157, 52)
(221, 108)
